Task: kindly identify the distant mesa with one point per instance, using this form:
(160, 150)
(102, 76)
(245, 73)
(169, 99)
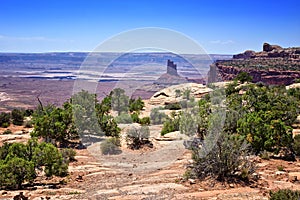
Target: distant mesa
(273, 65)
(270, 51)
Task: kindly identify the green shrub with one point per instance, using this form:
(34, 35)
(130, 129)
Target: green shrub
(124, 118)
(119, 101)
(7, 131)
(28, 112)
(4, 120)
(15, 171)
(177, 93)
(110, 146)
(183, 104)
(171, 124)
(266, 116)
(186, 93)
(17, 117)
(68, 154)
(280, 168)
(136, 104)
(228, 157)
(295, 92)
(5, 125)
(48, 155)
(137, 137)
(114, 140)
(145, 121)
(4, 150)
(296, 145)
(135, 117)
(157, 117)
(188, 124)
(173, 106)
(265, 155)
(285, 194)
(18, 162)
(58, 124)
(243, 77)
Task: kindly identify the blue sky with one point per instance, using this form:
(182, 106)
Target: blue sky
(229, 26)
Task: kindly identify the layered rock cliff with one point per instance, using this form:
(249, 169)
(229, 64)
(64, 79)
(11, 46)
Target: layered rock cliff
(273, 65)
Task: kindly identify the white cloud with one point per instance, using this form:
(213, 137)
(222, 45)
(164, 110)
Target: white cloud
(33, 38)
(222, 42)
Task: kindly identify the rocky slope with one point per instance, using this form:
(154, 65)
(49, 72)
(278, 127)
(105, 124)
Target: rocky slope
(273, 65)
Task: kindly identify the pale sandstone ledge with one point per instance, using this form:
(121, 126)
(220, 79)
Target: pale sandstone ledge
(169, 95)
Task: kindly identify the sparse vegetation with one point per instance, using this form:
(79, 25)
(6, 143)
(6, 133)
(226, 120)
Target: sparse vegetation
(68, 155)
(228, 157)
(7, 131)
(124, 118)
(17, 117)
(296, 145)
(136, 104)
(19, 162)
(137, 137)
(157, 116)
(173, 106)
(285, 194)
(280, 168)
(186, 94)
(53, 123)
(4, 120)
(171, 124)
(178, 93)
(110, 146)
(265, 155)
(243, 77)
(145, 121)
(260, 118)
(266, 117)
(135, 117)
(120, 101)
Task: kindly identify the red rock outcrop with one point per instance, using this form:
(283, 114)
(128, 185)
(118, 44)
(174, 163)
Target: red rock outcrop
(273, 77)
(274, 65)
